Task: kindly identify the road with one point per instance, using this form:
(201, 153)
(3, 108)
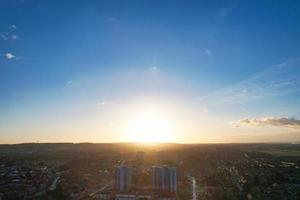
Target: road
(194, 186)
(101, 189)
(54, 184)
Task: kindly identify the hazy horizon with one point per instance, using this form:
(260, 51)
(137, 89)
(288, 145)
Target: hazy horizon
(151, 144)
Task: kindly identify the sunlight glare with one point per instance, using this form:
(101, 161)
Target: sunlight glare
(150, 127)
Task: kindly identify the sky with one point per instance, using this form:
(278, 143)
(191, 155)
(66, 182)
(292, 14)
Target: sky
(158, 71)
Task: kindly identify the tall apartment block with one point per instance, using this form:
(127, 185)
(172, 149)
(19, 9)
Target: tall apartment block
(164, 179)
(124, 175)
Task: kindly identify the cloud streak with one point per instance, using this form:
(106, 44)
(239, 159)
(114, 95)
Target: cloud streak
(269, 121)
(275, 80)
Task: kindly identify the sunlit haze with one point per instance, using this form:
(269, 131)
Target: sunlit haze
(150, 126)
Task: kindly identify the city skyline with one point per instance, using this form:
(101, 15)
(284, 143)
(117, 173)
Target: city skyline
(149, 71)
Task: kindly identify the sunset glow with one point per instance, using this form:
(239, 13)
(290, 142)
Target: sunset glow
(149, 126)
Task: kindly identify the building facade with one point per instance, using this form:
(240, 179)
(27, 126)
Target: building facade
(164, 179)
(124, 176)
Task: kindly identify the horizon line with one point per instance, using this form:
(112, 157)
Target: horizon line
(149, 144)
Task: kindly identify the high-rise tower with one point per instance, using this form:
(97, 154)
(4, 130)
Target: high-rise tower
(124, 176)
(164, 179)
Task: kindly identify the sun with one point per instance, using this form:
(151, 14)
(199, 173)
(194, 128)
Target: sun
(150, 126)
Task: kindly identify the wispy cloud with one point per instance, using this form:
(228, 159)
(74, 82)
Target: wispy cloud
(14, 37)
(113, 19)
(223, 12)
(275, 80)
(208, 52)
(9, 33)
(9, 56)
(269, 121)
(4, 36)
(69, 82)
(103, 103)
(154, 69)
(226, 10)
(7, 36)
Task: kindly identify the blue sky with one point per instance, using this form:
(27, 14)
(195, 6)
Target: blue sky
(228, 71)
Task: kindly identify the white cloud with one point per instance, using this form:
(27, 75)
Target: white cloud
(9, 56)
(269, 121)
(13, 26)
